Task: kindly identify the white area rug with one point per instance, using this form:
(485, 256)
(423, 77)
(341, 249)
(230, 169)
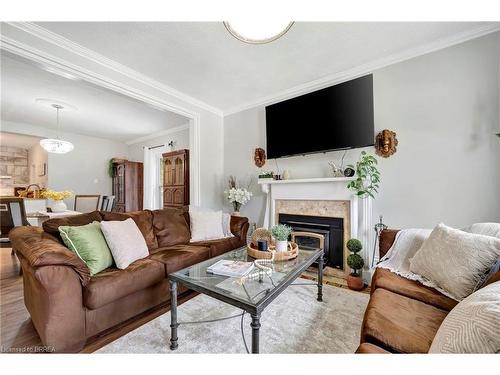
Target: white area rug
(293, 323)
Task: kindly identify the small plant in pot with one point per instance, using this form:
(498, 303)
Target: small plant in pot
(355, 262)
(281, 232)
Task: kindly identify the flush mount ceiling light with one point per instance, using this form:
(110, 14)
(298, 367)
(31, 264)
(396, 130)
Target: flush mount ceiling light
(260, 32)
(56, 145)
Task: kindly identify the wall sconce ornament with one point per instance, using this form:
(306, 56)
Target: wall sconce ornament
(385, 143)
(259, 157)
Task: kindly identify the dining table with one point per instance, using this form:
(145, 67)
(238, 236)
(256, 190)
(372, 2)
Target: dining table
(37, 218)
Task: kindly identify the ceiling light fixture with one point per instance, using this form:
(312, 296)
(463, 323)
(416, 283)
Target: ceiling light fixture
(258, 32)
(57, 146)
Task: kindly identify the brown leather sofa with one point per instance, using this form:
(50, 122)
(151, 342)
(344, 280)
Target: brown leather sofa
(402, 316)
(68, 306)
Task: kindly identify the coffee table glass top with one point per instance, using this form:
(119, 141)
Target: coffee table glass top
(248, 292)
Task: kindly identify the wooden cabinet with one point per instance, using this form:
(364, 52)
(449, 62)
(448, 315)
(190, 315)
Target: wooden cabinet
(128, 186)
(176, 178)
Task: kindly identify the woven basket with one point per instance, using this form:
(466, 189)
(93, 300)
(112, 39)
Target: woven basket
(293, 251)
(261, 234)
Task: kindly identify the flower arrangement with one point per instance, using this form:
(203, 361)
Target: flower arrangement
(56, 195)
(236, 195)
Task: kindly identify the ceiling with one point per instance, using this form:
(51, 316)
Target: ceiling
(99, 113)
(202, 60)
(18, 140)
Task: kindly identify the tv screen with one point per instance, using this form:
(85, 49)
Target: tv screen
(337, 117)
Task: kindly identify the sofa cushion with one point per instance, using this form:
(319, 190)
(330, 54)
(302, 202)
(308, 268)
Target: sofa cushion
(170, 227)
(367, 348)
(51, 226)
(112, 283)
(400, 324)
(143, 220)
(178, 257)
(218, 247)
(383, 278)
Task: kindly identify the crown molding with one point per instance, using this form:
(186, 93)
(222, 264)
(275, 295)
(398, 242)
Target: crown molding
(368, 68)
(77, 49)
(158, 134)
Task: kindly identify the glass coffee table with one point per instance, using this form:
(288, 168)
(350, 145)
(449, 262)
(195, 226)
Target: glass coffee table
(251, 295)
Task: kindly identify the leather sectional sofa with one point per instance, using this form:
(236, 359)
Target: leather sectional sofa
(402, 316)
(68, 306)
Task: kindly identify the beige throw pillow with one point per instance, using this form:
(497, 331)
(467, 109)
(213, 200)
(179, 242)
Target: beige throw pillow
(205, 225)
(473, 326)
(125, 241)
(455, 260)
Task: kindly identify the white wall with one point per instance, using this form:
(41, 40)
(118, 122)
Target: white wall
(83, 170)
(211, 122)
(180, 138)
(444, 107)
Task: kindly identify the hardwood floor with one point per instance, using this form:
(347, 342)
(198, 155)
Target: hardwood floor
(17, 333)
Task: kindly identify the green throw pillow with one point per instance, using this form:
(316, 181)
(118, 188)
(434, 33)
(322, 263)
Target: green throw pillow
(88, 242)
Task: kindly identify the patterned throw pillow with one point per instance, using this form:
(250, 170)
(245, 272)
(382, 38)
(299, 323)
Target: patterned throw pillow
(473, 326)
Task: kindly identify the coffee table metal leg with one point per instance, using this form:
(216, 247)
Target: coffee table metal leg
(173, 315)
(320, 278)
(255, 332)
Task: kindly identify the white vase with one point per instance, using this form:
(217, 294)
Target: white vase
(58, 206)
(281, 246)
(236, 213)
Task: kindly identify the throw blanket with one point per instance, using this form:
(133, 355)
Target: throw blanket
(405, 246)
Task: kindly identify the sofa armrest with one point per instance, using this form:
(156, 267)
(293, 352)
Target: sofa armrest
(387, 237)
(41, 249)
(239, 227)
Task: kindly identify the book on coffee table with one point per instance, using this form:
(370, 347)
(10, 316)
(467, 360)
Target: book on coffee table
(231, 268)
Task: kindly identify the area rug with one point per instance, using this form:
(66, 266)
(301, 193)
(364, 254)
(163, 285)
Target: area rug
(293, 323)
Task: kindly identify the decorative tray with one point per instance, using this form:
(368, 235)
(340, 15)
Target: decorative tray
(293, 251)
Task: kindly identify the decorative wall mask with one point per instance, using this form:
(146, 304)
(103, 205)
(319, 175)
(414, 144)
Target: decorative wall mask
(259, 157)
(385, 143)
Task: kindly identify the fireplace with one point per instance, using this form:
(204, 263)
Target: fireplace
(330, 227)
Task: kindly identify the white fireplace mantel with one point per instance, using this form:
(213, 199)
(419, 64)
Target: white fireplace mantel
(328, 188)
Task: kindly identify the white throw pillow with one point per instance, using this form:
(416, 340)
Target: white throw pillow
(473, 326)
(125, 241)
(455, 260)
(205, 225)
(226, 225)
(486, 229)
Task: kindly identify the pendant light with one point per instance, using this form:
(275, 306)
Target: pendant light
(257, 32)
(57, 146)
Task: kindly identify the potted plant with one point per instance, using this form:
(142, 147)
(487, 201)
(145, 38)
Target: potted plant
(237, 196)
(58, 198)
(367, 176)
(355, 262)
(281, 232)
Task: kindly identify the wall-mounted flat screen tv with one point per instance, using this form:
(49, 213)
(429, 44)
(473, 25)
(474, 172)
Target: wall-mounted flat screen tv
(334, 118)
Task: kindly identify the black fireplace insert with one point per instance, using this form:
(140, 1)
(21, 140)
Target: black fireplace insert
(332, 228)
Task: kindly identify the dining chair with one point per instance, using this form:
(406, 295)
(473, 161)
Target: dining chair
(12, 214)
(86, 203)
(107, 203)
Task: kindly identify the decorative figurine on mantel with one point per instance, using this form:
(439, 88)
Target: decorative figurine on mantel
(385, 143)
